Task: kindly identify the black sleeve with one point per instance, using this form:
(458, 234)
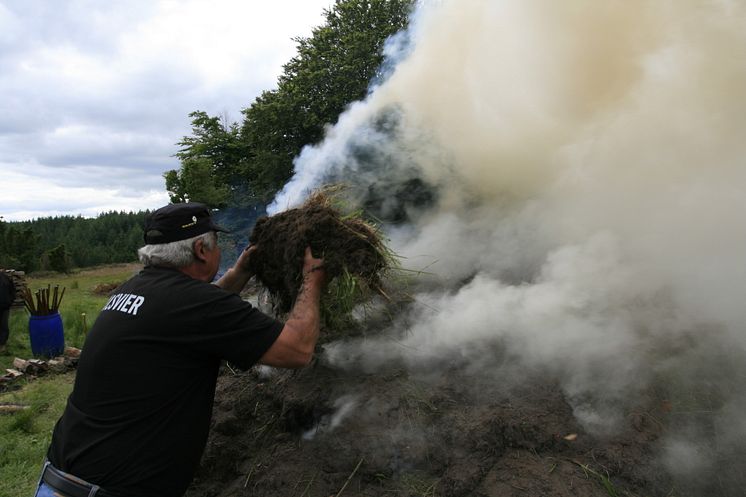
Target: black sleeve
(237, 331)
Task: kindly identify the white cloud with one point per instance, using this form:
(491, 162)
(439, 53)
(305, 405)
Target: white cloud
(96, 94)
(74, 191)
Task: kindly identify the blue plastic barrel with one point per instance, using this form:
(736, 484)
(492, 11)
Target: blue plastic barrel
(47, 337)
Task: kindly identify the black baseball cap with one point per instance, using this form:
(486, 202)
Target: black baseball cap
(176, 222)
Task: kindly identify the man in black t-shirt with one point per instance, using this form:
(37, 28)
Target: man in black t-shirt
(137, 420)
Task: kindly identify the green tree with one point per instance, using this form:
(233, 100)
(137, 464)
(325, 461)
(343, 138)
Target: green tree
(18, 247)
(59, 259)
(196, 182)
(333, 68)
(209, 161)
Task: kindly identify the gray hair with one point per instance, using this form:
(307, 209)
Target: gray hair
(175, 254)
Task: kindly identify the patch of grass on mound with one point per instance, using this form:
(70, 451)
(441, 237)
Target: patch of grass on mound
(355, 255)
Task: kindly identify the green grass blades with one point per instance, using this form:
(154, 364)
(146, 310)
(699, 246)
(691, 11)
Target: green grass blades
(25, 435)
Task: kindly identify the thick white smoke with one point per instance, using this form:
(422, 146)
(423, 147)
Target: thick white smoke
(588, 164)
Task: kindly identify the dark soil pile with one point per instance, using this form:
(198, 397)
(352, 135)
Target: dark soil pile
(349, 246)
(450, 434)
(105, 288)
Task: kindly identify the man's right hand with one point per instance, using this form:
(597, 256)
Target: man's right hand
(313, 267)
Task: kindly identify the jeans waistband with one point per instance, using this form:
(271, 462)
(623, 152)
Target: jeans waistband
(69, 485)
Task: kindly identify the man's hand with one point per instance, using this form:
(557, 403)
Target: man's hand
(243, 262)
(236, 277)
(313, 265)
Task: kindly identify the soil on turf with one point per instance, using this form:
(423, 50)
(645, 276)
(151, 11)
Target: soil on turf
(347, 244)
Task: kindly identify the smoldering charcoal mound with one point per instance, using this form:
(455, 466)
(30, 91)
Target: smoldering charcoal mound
(416, 435)
(586, 235)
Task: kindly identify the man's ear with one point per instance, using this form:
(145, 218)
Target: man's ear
(199, 250)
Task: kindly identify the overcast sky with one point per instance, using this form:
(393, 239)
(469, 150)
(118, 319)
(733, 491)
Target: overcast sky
(95, 94)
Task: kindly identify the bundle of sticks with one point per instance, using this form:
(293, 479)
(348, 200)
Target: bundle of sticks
(47, 301)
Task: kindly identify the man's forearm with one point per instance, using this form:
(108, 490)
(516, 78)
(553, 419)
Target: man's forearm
(294, 347)
(305, 317)
(234, 280)
(297, 341)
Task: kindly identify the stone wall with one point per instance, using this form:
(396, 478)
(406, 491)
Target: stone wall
(19, 280)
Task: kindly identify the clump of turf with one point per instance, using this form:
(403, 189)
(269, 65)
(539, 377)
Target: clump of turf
(355, 255)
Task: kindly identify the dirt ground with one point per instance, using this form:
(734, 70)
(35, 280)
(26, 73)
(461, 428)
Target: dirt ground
(326, 432)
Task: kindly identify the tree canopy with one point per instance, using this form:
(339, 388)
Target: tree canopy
(18, 246)
(231, 164)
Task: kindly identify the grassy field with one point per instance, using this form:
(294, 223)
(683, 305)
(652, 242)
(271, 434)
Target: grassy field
(80, 306)
(25, 435)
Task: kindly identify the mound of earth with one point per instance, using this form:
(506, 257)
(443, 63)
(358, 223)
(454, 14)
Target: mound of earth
(105, 288)
(328, 432)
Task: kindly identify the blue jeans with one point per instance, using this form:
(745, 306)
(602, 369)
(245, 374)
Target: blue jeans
(45, 490)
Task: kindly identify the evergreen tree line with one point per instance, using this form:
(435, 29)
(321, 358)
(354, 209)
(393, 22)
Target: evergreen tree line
(64, 242)
(231, 164)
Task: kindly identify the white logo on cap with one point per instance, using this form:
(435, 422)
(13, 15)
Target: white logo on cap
(194, 221)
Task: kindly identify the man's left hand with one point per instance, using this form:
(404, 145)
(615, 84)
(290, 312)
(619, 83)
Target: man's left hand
(243, 264)
(236, 277)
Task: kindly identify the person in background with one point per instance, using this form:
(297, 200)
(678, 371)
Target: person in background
(7, 296)
(137, 420)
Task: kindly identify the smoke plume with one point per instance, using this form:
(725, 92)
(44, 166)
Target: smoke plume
(571, 177)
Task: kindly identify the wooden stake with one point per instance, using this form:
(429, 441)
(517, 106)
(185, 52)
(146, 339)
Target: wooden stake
(11, 408)
(59, 302)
